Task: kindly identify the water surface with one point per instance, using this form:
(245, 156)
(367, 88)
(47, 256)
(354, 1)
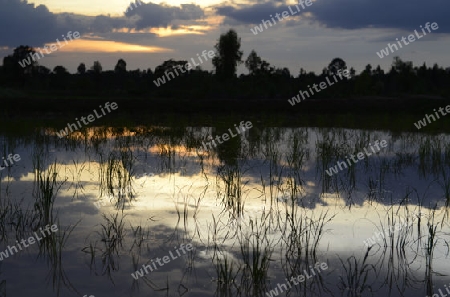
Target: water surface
(257, 210)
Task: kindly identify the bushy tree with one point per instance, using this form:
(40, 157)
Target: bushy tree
(335, 65)
(258, 66)
(121, 67)
(81, 69)
(21, 62)
(60, 70)
(170, 65)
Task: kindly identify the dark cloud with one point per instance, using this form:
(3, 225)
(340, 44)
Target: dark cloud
(154, 15)
(105, 24)
(253, 14)
(351, 14)
(398, 14)
(22, 23)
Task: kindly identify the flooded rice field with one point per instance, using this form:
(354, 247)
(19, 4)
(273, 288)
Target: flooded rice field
(160, 211)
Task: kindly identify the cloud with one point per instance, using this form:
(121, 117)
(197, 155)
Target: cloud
(130, 38)
(399, 14)
(254, 14)
(22, 23)
(153, 15)
(349, 14)
(105, 24)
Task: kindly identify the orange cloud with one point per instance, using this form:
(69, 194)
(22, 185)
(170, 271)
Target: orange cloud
(105, 46)
(164, 32)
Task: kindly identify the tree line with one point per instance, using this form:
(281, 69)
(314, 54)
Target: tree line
(263, 80)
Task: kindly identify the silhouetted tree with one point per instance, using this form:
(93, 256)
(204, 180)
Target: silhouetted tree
(97, 67)
(352, 72)
(169, 66)
(378, 71)
(335, 65)
(367, 70)
(81, 69)
(60, 70)
(402, 76)
(253, 62)
(228, 55)
(60, 78)
(24, 54)
(364, 82)
(257, 66)
(21, 63)
(266, 68)
(284, 72)
(402, 66)
(264, 81)
(42, 70)
(302, 72)
(121, 67)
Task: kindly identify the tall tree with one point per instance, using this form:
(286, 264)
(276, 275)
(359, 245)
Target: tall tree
(253, 62)
(97, 67)
(228, 55)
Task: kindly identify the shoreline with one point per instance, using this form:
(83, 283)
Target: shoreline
(64, 105)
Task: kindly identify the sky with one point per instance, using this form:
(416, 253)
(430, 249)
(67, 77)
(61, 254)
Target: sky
(145, 33)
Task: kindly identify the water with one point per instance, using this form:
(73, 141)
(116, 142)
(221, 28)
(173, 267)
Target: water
(238, 220)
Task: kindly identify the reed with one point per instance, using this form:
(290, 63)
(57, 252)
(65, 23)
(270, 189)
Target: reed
(51, 248)
(355, 280)
(45, 191)
(256, 250)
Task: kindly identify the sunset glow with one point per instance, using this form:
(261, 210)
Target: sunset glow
(110, 47)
